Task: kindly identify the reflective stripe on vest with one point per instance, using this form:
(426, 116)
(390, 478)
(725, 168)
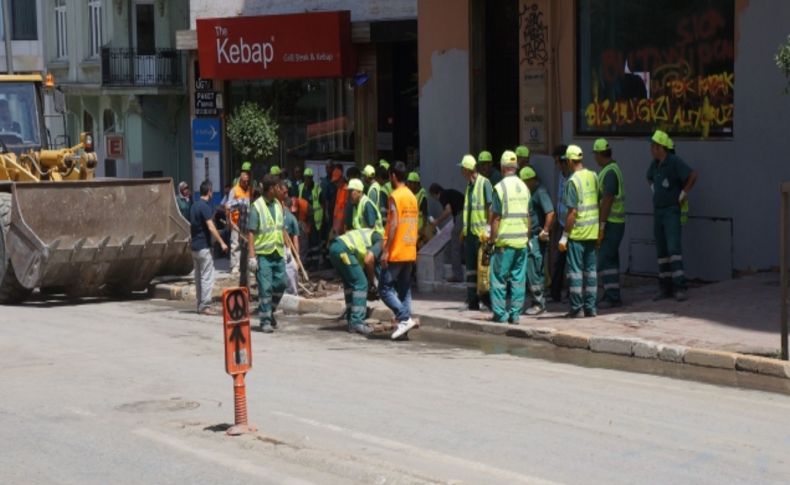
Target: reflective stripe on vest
(420, 217)
(358, 242)
(403, 247)
(269, 233)
(315, 202)
(586, 226)
(374, 193)
(514, 223)
(617, 213)
(358, 221)
(477, 204)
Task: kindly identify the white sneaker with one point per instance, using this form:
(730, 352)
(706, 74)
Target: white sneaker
(403, 328)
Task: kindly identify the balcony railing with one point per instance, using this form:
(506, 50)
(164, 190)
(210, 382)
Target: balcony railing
(130, 67)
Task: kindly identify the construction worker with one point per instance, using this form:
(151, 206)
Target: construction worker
(541, 218)
(413, 183)
(382, 179)
(267, 251)
(611, 223)
(275, 170)
(671, 180)
(386, 187)
(373, 188)
(452, 203)
(240, 195)
(365, 214)
(477, 203)
(522, 155)
(580, 235)
(399, 251)
(485, 166)
(291, 227)
(354, 256)
(558, 262)
(311, 192)
(341, 197)
(510, 235)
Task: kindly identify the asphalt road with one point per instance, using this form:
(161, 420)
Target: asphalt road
(135, 392)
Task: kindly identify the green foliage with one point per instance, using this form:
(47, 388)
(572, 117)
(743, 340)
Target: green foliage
(782, 59)
(252, 132)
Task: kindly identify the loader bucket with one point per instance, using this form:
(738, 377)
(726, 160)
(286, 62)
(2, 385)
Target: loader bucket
(86, 236)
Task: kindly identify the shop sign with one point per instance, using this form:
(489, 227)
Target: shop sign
(207, 101)
(311, 45)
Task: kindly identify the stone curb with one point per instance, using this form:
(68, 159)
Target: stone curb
(617, 345)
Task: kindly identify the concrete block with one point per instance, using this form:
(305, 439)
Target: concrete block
(290, 303)
(645, 349)
(307, 305)
(763, 365)
(331, 307)
(612, 345)
(710, 358)
(672, 353)
(382, 314)
(572, 339)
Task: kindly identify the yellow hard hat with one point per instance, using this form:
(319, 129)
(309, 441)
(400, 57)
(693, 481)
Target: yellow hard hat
(369, 171)
(308, 172)
(574, 152)
(275, 170)
(527, 173)
(356, 184)
(661, 138)
(600, 145)
(468, 162)
(413, 177)
(508, 159)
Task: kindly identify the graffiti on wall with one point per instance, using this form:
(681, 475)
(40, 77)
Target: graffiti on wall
(682, 82)
(534, 35)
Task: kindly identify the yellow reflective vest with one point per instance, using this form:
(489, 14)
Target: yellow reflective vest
(586, 226)
(475, 217)
(269, 233)
(358, 241)
(359, 212)
(514, 223)
(617, 213)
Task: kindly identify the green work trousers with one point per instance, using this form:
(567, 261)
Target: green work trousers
(609, 261)
(666, 224)
(355, 283)
(582, 276)
(536, 279)
(471, 247)
(508, 272)
(271, 285)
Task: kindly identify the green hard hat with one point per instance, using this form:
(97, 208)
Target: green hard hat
(413, 177)
(275, 170)
(527, 173)
(600, 145)
(246, 167)
(522, 151)
(485, 156)
(384, 163)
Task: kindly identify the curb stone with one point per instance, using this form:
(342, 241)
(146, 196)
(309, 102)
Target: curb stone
(571, 339)
(710, 358)
(612, 345)
(672, 353)
(645, 349)
(763, 365)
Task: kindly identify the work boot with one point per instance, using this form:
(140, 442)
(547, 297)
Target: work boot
(590, 314)
(680, 296)
(572, 314)
(266, 328)
(535, 310)
(608, 304)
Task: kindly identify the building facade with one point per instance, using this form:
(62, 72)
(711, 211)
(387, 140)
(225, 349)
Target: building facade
(541, 73)
(123, 80)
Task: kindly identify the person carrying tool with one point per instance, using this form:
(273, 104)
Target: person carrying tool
(267, 251)
(399, 251)
(581, 234)
(477, 204)
(485, 166)
(541, 218)
(671, 180)
(238, 196)
(365, 214)
(611, 225)
(354, 256)
(510, 235)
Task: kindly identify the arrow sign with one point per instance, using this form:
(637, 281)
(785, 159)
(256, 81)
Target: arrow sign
(236, 328)
(237, 338)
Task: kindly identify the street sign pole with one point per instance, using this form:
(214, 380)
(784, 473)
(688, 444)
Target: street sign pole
(238, 353)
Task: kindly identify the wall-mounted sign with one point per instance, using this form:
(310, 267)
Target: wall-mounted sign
(114, 146)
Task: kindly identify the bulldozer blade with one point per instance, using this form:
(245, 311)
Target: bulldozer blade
(86, 235)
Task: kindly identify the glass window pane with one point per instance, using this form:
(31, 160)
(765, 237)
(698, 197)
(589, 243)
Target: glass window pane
(23, 20)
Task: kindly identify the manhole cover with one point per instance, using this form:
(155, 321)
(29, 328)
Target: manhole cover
(169, 405)
(641, 318)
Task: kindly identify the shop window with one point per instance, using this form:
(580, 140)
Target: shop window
(95, 27)
(664, 64)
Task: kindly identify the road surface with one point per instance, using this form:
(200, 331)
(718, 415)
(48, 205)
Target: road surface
(135, 392)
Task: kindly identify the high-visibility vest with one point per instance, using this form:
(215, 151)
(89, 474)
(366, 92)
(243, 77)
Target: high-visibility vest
(358, 241)
(269, 233)
(374, 193)
(617, 213)
(514, 222)
(586, 226)
(475, 217)
(421, 217)
(339, 214)
(357, 222)
(240, 196)
(386, 189)
(318, 210)
(403, 248)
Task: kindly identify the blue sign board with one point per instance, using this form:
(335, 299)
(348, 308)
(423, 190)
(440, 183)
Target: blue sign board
(206, 134)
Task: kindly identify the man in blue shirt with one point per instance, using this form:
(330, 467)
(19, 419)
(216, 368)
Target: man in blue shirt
(670, 179)
(202, 229)
(558, 268)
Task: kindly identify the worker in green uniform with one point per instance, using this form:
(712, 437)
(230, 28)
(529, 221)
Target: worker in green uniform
(611, 223)
(373, 189)
(477, 204)
(354, 256)
(541, 219)
(385, 188)
(581, 235)
(267, 251)
(522, 155)
(486, 168)
(365, 214)
(312, 194)
(413, 183)
(671, 181)
(510, 235)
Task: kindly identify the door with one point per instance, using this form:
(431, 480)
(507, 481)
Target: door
(146, 71)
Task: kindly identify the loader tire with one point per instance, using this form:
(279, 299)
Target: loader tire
(11, 291)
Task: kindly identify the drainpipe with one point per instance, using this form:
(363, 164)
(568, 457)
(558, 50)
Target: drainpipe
(9, 58)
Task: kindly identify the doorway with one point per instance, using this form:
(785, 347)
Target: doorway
(144, 40)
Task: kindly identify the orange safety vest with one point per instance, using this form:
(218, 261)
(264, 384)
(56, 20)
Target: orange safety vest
(406, 211)
(239, 194)
(339, 214)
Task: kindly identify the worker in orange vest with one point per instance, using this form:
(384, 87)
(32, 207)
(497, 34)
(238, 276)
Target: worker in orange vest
(239, 196)
(338, 215)
(400, 250)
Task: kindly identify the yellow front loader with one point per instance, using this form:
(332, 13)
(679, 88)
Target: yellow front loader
(63, 230)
